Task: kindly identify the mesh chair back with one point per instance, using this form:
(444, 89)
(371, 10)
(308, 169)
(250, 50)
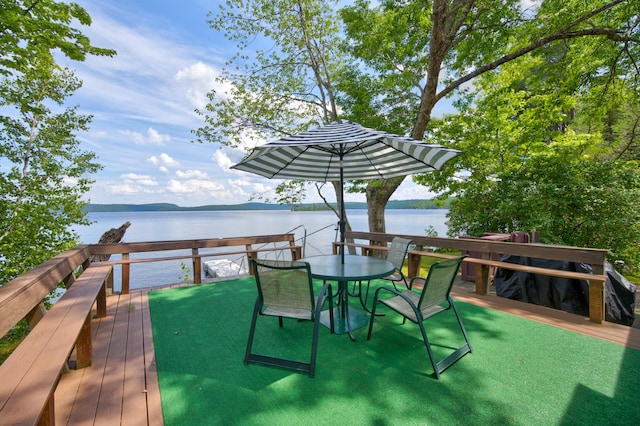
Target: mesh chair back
(285, 288)
(438, 285)
(398, 251)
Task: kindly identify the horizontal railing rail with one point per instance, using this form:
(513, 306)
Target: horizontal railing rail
(594, 257)
(249, 246)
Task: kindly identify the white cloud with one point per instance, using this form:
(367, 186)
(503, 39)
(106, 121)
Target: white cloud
(123, 189)
(153, 137)
(191, 174)
(409, 190)
(197, 80)
(222, 160)
(133, 183)
(194, 185)
(137, 179)
(164, 160)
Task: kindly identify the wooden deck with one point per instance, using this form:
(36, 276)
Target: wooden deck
(121, 387)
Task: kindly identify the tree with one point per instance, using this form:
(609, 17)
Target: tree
(427, 51)
(398, 52)
(43, 171)
(544, 151)
(29, 29)
(282, 87)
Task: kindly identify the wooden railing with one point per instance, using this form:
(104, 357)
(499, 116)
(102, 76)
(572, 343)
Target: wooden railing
(22, 297)
(30, 374)
(370, 242)
(249, 246)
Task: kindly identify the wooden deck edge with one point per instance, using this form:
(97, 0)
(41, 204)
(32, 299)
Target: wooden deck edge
(614, 333)
(154, 402)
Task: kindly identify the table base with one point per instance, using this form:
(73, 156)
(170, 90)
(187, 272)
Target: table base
(357, 319)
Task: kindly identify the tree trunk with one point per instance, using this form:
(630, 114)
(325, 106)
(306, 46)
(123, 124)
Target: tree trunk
(347, 225)
(378, 194)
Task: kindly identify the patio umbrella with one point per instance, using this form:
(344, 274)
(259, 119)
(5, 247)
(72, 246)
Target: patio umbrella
(341, 151)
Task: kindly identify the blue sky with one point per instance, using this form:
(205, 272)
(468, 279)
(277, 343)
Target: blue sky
(143, 102)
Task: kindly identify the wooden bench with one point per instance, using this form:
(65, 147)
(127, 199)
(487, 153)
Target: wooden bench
(31, 373)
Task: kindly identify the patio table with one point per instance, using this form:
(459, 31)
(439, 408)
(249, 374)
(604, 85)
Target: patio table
(354, 268)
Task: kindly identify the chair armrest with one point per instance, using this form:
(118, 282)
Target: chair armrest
(416, 278)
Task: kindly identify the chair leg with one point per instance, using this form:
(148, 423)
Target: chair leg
(252, 331)
(314, 347)
(429, 351)
(453, 357)
(459, 318)
(373, 315)
(316, 325)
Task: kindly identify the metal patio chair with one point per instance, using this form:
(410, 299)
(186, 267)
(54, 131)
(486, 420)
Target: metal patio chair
(285, 290)
(396, 254)
(417, 307)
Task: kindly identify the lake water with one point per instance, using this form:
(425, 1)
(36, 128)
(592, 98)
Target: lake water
(319, 227)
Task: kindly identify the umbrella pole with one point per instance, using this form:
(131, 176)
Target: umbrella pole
(342, 211)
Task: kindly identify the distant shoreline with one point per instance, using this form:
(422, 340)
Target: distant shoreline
(168, 207)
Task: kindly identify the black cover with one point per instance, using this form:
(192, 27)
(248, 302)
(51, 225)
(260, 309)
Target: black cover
(565, 294)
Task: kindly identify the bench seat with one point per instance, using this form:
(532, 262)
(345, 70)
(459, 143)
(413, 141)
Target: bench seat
(30, 374)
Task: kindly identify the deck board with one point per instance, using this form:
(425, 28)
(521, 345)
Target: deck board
(85, 384)
(611, 332)
(109, 410)
(134, 380)
(154, 404)
(121, 386)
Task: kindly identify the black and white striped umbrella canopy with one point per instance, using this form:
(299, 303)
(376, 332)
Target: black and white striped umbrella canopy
(341, 151)
(347, 148)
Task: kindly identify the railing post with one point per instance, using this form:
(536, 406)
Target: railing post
(126, 273)
(197, 266)
(109, 285)
(413, 263)
(250, 254)
(482, 276)
(296, 253)
(596, 301)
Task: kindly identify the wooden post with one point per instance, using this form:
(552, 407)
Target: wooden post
(126, 273)
(83, 344)
(482, 277)
(413, 263)
(70, 279)
(48, 416)
(250, 254)
(109, 286)
(35, 315)
(596, 301)
(296, 253)
(101, 300)
(197, 266)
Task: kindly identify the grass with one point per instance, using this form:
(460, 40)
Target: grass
(12, 339)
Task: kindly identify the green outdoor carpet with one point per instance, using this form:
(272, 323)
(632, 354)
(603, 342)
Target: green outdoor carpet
(520, 372)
